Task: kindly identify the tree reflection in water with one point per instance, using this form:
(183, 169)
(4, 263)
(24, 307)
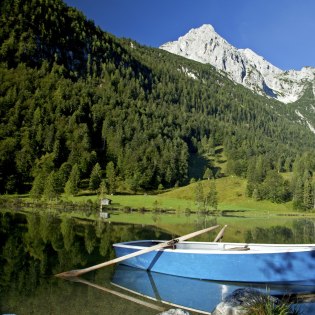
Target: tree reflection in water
(34, 247)
(302, 232)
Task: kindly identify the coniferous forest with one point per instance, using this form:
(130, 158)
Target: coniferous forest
(78, 104)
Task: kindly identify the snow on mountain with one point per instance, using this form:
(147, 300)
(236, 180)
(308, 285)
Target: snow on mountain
(243, 66)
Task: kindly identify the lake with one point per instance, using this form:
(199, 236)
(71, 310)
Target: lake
(35, 247)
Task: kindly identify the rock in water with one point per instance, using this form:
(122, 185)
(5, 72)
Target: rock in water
(233, 303)
(176, 311)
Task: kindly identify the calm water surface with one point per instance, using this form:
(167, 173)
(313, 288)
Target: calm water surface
(34, 247)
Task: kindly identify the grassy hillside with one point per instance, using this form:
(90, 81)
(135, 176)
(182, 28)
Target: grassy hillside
(231, 196)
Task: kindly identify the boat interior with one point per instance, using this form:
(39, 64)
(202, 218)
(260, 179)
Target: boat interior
(209, 246)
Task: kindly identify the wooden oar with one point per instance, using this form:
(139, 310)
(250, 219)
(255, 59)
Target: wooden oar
(78, 272)
(220, 235)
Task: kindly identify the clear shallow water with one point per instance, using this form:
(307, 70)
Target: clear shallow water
(35, 247)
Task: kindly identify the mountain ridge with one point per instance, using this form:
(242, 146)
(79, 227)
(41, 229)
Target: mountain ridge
(243, 66)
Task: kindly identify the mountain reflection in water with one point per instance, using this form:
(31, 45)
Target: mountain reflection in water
(34, 247)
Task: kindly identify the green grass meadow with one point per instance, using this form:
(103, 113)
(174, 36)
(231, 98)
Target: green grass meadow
(168, 210)
(231, 196)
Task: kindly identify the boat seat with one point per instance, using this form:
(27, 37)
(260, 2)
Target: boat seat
(238, 248)
(170, 247)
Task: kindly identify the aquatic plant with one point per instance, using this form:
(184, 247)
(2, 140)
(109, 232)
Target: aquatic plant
(268, 305)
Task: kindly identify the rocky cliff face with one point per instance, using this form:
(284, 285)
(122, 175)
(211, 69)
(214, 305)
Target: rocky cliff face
(242, 65)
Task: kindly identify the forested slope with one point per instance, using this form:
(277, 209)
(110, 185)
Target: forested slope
(74, 99)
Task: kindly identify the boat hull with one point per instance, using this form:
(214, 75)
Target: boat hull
(225, 265)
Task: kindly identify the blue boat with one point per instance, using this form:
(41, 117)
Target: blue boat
(193, 294)
(236, 262)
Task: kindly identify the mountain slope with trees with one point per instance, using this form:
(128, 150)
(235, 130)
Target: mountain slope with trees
(77, 103)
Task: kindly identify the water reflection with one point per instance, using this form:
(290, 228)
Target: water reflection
(302, 232)
(34, 247)
(193, 294)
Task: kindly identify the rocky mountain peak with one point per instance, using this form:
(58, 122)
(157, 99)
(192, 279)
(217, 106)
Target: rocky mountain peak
(243, 66)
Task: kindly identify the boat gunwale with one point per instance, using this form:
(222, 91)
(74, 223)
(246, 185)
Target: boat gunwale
(236, 248)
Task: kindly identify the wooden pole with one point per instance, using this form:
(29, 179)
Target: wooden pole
(79, 272)
(220, 235)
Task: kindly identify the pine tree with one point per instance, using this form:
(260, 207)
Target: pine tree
(111, 177)
(280, 165)
(260, 171)
(199, 196)
(38, 186)
(51, 187)
(208, 174)
(288, 164)
(298, 194)
(212, 197)
(273, 187)
(72, 185)
(308, 194)
(96, 177)
(251, 178)
(63, 175)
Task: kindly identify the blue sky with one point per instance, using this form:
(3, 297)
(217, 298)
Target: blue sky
(282, 31)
